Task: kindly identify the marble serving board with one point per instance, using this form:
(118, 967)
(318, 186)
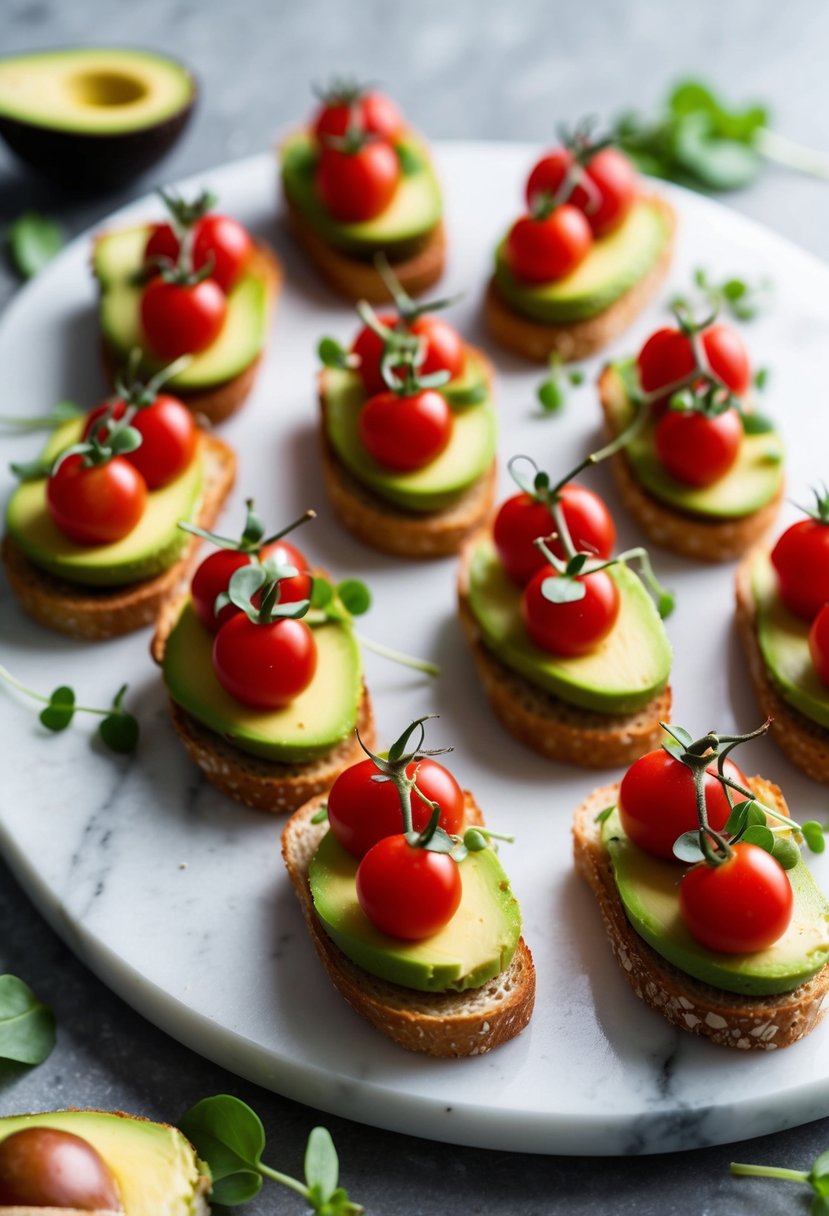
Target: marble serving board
(176, 897)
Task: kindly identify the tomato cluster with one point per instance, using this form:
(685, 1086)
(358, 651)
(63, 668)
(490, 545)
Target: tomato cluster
(443, 348)
(358, 169)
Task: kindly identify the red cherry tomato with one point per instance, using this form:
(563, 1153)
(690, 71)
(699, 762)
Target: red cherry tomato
(738, 907)
(96, 505)
(575, 627)
(668, 357)
(521, 520)
(819, 644)
(613, 181)
(181, 320)
(264, 666)
(217, 239)
(695, 449)
(372, 112)
(801, 559)
(213, 577)
(168, 437)
(539, 251)
(547, 176)
(405, 433)
(657, 802)
(357, 186)
(408, 892)
(444, 350)
(162, 245)
(362, 811)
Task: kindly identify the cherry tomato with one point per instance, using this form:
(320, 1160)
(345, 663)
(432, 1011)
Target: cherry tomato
(162, 245)
(98, 504)
(575, 627)
(371, 112)
(357, 186)
(362, 811)
(613, 181)
(217, 239)
(405, 433)
(547, 176)
(408, 892)
(444, 350)
(819, 644)
(801, 559)
(695, 449)
(521, 520)
(168, 437)
(538, 251)
(43, 1167)
(264, 666)
(179, 319)
(668, 356)
(657, 801)
(213, 577)
(738, 907)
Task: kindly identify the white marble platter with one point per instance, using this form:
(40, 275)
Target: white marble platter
(176, 897)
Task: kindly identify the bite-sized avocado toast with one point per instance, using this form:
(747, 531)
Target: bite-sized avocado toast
(408, 906)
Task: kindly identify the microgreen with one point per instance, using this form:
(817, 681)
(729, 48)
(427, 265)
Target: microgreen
(27, 1026)
(64, 411)
(112, 437)
(119, 729)
(817, 1178)
(742, 299)
(552, 392)
(33, 241)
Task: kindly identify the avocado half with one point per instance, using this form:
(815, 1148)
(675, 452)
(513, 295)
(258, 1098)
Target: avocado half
(93, 118)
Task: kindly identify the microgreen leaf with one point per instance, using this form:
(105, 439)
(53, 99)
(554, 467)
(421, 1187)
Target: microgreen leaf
(687, 847)
(813, 835)
(576, 377)
(756, 424)
(332, 354)
(576, 564)
(322, 1166)
(605, 814)
(27, 1026)
(354, 596)
(475, 840)
(785, 852)
(737, 820)
(561, 590)
(243, 585)
(681, 735)
(761, 377)
(820, 1167)
(551, 396)
(120, 731)
(33, 241)
(124, 439)
(398, 748)
(61, 709)
(322, 592)
(321, 815)
(31, 470)
(230, 1137)
(410, 162)
(759, 835)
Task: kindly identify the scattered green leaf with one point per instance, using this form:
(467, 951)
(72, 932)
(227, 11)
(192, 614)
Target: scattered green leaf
(61, 709)
(33, 241)
(27, 1026)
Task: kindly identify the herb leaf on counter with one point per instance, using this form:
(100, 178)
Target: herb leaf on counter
(27, 1026)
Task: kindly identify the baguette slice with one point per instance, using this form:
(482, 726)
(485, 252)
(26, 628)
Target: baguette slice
(448, 1024)
(749, 1023)
(805, 742)
(546, 723)
(95, 613)
(536, 340)
(218, 401)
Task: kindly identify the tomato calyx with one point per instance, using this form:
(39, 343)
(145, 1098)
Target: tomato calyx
(112, 438)
(820, 511)
(582, 143)
(134, 392)
(253, 538)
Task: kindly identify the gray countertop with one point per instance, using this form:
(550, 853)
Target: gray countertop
(463, 70)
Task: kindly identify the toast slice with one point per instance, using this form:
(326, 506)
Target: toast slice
(447, 1024)
(93, 614)
(536, 340)
(749, 1023)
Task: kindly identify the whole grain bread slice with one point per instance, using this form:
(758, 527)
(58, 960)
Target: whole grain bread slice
(748, 1023)
(447, 1024)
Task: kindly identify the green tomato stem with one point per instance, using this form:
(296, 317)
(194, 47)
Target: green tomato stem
(397, 656)
(793, 155)
(738, 1169)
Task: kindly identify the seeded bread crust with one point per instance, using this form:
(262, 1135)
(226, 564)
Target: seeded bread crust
(445, 1024)
(544, 722)
(578, 340)
(94, 614)
(748, 1023)
(805, 742)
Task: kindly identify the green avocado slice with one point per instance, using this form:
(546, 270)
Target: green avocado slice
(647, 887)
(615, 264)
(755, 479)
(476, 945)
(314, 722)
(626, 671)
(155, 543)
(156, 1169)
(438, 484)
(399, 231)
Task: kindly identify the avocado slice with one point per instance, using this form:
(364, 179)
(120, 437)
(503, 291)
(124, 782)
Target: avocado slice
(155, 1167)
(440, 483)
(647, 887)
(314, 722)
(614, 264)
(399, 231)
(755, 478)
(476, 945)
(626, 671)
(155, 543)
(117, 256)
(93, 117)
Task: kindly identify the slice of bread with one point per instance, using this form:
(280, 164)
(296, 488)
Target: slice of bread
(96, 613)
(749, 1023)
(805, 742)
(436, 1023)
(536, 340)
(548, 724)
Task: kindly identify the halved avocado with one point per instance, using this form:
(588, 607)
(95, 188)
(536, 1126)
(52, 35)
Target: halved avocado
(92, 118)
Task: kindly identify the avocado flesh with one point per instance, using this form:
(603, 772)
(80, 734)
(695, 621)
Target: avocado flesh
(476, 945)
(154, 544)
(648, 886)
(614, 264)
(315, 722)
(754, 480)
(627, 669)
(398, 231)
(118, 255)
(436, 486)
(155, 1167)
(471, 386)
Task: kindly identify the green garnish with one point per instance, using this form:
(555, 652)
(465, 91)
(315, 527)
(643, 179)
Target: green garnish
(119, 729)
(33, 241)
(817, 1178)
(27, 1026)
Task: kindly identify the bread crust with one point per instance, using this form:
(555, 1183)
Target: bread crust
(547, 724)
(536, 340)
(748, 1023)
(444, 1024)
(94, 614)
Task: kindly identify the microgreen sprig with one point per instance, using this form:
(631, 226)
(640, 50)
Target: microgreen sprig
(27, 1026)
(119, 729)
(64, 411)
(253, 538)
(744, 300)
(817, 1178)
(552, 392)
